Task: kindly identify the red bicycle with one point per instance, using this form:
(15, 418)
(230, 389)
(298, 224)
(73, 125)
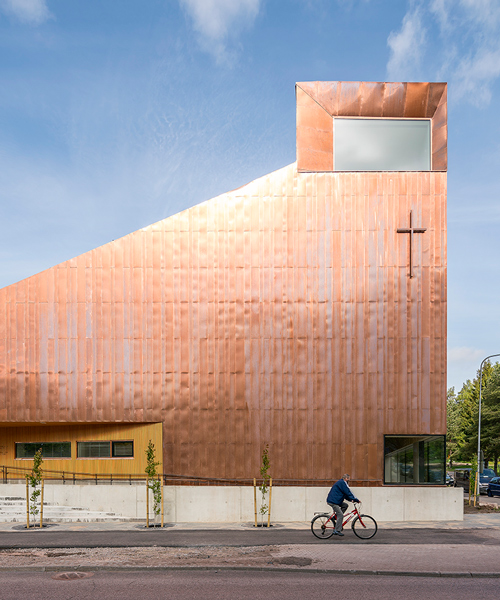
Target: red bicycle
(364, 526)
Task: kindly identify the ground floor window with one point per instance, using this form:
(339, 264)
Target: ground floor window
(49, 449)
(106, 449)
(415, 459)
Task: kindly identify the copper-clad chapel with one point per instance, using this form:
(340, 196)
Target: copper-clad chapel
(305, 310)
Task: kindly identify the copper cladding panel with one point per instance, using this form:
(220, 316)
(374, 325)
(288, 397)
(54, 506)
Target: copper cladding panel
(281, 312)
(319, 101)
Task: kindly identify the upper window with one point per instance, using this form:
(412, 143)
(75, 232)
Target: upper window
(49, 449)
(382, 145)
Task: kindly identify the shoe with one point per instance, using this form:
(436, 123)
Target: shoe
(339, 533)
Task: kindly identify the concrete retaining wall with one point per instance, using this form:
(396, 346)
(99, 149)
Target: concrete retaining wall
(206, 504)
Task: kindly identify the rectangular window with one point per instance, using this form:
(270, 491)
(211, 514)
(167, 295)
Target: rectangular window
(93, 449)
(414, 459)
(98, 449)
(49, 449)
(123, 449)
(382, 145)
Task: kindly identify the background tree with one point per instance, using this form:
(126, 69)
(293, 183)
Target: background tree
(470, 414)
(463, 413)
(452, 426)
(490, 418)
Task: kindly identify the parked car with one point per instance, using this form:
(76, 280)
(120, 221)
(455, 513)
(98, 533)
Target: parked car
(462, 478)
(484, 479)
(463, 475)
(494, 487)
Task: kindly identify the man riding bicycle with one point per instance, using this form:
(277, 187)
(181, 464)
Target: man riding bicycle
(339, 492)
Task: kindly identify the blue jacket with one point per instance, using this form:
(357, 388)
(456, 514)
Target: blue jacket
(340, 491)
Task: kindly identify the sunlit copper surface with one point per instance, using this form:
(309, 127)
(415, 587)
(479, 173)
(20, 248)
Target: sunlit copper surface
(279, 313)
(319, 101)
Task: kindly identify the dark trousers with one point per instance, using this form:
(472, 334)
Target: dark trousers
(339, 513)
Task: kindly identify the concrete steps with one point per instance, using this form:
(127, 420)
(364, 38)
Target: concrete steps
(13, 510)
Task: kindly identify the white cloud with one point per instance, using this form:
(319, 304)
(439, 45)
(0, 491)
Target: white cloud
(486, 12)
(218, 20)
(477, 66)
(27, 11)
(442, 9)
(406, 48)
(465, 354)
(463, 364)
(474, 74)
(465, 50)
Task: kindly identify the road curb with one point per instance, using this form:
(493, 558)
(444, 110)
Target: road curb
(111, 568)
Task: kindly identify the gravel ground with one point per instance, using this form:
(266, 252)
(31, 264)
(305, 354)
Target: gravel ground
(484, 507)
(152, 557)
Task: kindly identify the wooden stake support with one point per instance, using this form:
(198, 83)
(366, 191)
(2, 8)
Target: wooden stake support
(161, 487)
(27, 505)
(41, 507)
(147, 502)
(255, 499)
(269, 509)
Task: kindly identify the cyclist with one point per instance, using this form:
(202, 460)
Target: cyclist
(339, 492)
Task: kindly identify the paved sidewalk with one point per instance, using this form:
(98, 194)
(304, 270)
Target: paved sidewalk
(479, 521)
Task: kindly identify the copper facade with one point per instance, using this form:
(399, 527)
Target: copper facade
(279, 313)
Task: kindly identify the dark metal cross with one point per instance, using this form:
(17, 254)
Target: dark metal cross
(411, 230)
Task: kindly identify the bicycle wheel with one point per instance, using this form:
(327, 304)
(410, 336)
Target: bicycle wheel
(364, 526)
(323, 528)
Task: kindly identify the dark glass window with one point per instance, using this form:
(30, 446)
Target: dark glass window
(414, 459)
(122, 449)
(93, 449)
(49, 449)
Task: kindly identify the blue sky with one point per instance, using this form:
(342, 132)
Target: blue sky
(115, 114)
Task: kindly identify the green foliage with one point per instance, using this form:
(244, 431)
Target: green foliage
(34, 478)
(452, 425)
(264, 468)
(463, 417)
(472, 478)
(154, 483)
(470, 412)
(490, 418)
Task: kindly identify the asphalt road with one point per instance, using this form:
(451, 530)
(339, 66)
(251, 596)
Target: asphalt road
(224, 585)
(52, 538)
(484, 498)
(488, 500)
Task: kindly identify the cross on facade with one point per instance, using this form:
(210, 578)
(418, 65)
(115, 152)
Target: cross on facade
(411, 230)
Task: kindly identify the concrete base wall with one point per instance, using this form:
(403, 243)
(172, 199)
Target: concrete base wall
(205, 504)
